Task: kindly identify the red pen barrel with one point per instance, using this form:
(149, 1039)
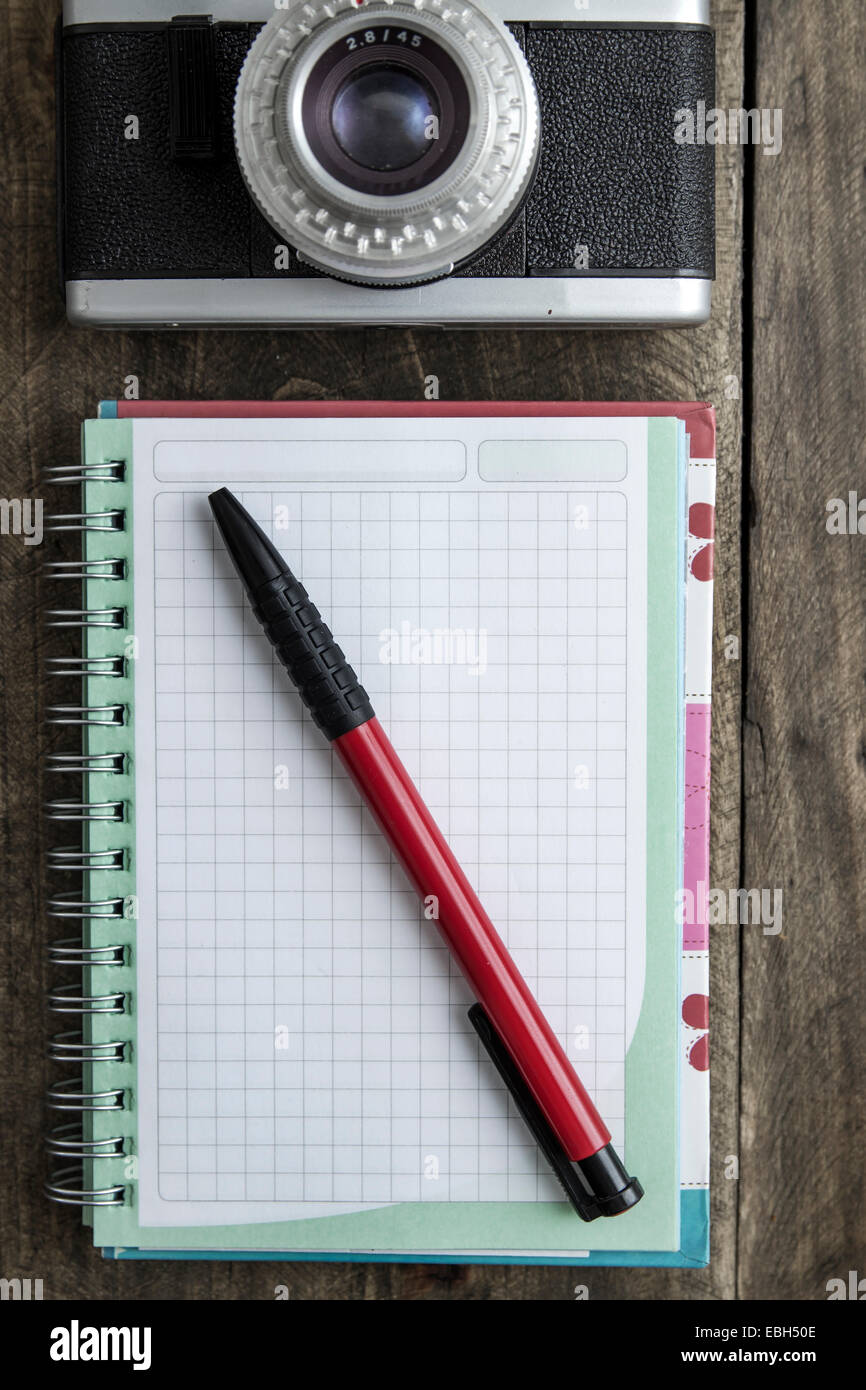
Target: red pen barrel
(419, 845)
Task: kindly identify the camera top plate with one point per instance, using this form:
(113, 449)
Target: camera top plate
(631, 12)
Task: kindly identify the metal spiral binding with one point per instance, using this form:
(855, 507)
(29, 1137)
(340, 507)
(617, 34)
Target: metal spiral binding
(68, 1141)
(85, 617)
(82, 570)
(114, 667)
(77, 1181)
(85, 521)
(61, 1188)
(62, 809)
(71, 1047)
(67, 905)
(68, 1000)
(86, 714)
(84, 763)
(69, 951)
(71, 859)
(71, 1095)
(60, 474)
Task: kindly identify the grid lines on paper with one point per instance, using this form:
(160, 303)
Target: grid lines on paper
(313, 1045)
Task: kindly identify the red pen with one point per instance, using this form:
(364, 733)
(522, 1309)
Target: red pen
(507, 1018)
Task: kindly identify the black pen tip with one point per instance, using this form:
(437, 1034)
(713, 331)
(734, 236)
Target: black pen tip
(254, 555)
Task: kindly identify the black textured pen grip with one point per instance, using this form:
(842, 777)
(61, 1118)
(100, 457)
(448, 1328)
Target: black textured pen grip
(325, 681)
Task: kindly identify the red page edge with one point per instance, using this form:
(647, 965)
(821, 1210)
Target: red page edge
(699, 416)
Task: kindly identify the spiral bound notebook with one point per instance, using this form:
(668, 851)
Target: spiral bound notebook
(274, 1055)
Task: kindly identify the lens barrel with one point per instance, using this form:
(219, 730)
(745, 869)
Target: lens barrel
(387, 142)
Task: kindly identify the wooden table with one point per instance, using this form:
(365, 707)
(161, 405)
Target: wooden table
(783, 361)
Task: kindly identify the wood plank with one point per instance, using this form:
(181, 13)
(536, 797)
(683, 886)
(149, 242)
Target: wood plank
(802, 1215)
(50, 378)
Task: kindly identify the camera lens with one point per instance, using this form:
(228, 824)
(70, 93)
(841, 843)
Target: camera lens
(387, 143)
(384, 117)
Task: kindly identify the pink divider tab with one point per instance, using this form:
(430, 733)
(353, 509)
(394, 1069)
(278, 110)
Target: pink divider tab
(696, 862)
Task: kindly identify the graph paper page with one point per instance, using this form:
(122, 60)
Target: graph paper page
(303, 1044)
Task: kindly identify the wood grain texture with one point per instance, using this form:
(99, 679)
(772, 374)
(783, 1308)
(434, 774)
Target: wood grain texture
(802, 1213)
(50, 378)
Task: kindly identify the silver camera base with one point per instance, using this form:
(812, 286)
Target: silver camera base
(532, 302)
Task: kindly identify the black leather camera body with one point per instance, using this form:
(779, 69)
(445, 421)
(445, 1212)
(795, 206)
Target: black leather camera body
(613, 222)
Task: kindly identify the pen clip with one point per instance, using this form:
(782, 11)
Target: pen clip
(619, 1192)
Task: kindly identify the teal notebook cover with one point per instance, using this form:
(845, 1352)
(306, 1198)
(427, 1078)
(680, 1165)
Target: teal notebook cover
(668, 1227)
